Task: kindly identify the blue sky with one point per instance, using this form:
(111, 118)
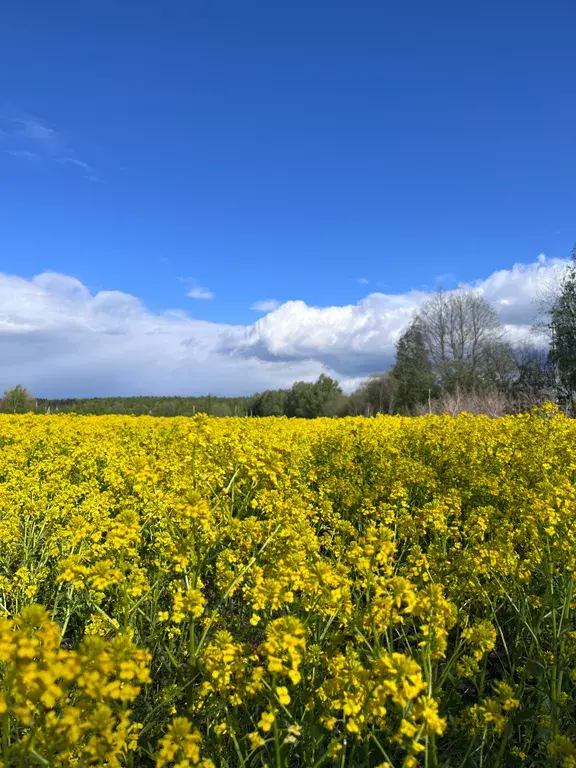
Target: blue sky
(319, 151)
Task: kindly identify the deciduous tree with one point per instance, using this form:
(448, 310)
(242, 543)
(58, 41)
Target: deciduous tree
(462, 334)
(17, 400)
(412, 372)
(563, 338)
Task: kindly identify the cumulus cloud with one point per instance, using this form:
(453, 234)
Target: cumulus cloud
(265, 305)
(200, 292)
(60, 340)
(354, 339)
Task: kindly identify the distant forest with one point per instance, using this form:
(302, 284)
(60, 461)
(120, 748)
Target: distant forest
(155, 406)
(453, 357)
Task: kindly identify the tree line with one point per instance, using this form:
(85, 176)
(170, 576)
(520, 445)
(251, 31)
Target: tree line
(453, 356)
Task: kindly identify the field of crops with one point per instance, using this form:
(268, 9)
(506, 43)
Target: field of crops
(245, 592)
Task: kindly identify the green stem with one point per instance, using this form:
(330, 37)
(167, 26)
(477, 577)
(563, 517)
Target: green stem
(239, 578)
(471, 747)
(231, 729)
(277, 749)
(508, 729)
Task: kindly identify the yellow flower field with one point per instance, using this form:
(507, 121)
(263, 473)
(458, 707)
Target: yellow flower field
(252, 592)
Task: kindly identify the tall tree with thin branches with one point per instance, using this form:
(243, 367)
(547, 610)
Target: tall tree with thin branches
(563, 337)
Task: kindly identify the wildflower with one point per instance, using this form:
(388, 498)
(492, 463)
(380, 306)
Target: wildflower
(284, 647)
(283, 695)
(266, 720)
(255, 740)
(181, 745)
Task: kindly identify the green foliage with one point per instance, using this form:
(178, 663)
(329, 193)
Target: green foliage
(270, 403)
(563, 328)
(412, 372)
(154, 406)
(375, 395)
(309, 400)
(321, 398)
(18, 400)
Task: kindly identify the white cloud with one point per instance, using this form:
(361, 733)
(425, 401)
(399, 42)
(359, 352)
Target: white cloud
(265, 305)
(200, 292)
(362, 281)
(60, 340)
(354, 339)
(30, 138)
(359, 338)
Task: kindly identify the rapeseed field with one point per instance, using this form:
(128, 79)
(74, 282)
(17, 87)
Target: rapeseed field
(272, 592)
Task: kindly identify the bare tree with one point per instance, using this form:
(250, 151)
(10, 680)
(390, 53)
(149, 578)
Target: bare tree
(464, 339)
(490, 402)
